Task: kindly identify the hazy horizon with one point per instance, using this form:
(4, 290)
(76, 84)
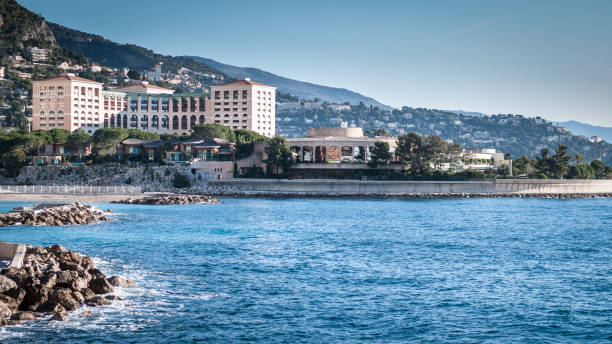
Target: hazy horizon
(549, 59)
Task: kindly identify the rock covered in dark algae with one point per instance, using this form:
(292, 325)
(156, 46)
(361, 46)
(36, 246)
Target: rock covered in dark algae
(52, 282)
(172, 199)
(54, 215)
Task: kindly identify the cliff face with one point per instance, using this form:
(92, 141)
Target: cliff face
(21, 28)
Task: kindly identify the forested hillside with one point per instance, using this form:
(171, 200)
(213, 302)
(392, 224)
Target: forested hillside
(514, 134)
(112, 54)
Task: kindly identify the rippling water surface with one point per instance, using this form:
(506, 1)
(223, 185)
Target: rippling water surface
(332, 270)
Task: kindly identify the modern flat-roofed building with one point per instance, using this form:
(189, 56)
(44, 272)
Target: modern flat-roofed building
(67, 102)
(245, 104)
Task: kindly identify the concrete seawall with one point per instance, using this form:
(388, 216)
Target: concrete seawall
(332, 187)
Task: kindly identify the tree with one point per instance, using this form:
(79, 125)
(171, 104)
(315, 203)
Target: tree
(380, 154)
(59, 135)
(13, 162)
(245, 141)
(435, 151)
(142, 135)
(600, 169)
(106, 141)
(409, 147)
(211, 131)
(579, 158)
(134, 75)
(523, 165)
(453, 154)
(544, 163)
(279, 155)
(78, 140)
(561, 161)
(180, 181)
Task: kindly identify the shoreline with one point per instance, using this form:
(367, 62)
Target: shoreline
(65, 197)
(260, 194)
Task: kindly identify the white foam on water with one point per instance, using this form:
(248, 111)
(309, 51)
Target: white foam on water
(207, 296)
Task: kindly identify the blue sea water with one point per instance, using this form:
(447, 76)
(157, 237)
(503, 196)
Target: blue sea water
(343, 270)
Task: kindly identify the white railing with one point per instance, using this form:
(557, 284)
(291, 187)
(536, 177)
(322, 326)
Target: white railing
(70, 189)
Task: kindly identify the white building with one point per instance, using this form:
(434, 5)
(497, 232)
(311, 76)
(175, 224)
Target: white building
(38, 54)
(595, 139)
(245, 104)
(154, 74)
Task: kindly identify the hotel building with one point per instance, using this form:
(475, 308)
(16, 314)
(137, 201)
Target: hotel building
(245, 104)
(241, 104)
(70, 102)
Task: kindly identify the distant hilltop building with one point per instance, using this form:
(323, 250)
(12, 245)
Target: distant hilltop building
(154, 74)
(595, 139)
(38, 54)
(70, 102)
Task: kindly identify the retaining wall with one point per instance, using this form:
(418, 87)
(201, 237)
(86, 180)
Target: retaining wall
(329, 187)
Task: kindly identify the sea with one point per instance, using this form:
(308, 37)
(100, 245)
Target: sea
(332, 270)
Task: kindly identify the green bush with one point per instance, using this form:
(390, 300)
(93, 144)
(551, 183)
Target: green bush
(180, 181)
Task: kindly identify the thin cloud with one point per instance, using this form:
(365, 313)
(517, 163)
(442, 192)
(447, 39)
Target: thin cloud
(477, 26)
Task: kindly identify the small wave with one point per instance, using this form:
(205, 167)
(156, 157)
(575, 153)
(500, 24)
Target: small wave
(208, 296)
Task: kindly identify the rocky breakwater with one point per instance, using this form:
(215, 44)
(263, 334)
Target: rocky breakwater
(54, 215)
(172, 199)
(52, 282)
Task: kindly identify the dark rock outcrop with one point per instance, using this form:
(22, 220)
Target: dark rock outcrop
(60, 215)
(53, 280)
(171, 199)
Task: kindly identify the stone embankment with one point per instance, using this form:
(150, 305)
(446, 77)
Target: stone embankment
(52, 282)
(54, 215)
(171, 199)
(423, 195)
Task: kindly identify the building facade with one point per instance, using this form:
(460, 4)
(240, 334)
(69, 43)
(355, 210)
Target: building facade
(245, 104)
(242, 104)
(68, 102)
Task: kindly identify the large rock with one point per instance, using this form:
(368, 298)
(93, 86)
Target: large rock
(64, 297)
(100, 285)
(6, 284)
(118, 281)
(23, 316)
(97, 301)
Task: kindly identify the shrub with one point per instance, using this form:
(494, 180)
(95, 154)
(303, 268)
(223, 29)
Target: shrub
(180, 181)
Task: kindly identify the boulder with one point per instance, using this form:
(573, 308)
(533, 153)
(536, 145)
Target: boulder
(100, 285)
(57, 248)
(118, 281)
(66, 278)
(59, 317)
(63, 296)
(113, 298)
(97, 301)
(6, 284)
(23, 316)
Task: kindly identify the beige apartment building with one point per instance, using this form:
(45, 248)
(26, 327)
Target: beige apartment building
(69, 102)
(241, 104)
(245, 104)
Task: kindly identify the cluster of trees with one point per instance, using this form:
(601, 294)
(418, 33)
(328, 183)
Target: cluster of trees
(419, 154)
(559, 165)
(15, 146)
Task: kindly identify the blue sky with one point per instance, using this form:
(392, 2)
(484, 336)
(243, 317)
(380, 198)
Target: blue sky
(548, 58)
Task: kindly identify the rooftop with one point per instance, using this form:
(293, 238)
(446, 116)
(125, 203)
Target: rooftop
(71, 77)
(243, 82)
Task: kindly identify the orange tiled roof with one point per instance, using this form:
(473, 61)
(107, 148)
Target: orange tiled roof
(143, 85)
(243, 82)
(72, 78)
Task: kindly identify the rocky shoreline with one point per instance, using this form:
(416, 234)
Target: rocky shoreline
(171, 199)
(422, 195)
(53, 281)
(54, 215)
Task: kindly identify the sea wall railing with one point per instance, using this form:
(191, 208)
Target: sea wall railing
(71, 189)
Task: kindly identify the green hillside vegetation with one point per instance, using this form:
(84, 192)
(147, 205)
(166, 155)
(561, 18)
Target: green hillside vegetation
(112, 54)
(514, 134)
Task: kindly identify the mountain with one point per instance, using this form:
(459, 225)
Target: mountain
(304, 90)
(20, 29)
(112, 54)
(468, 113)
(588, 130)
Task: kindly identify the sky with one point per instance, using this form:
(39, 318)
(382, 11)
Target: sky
(550, 58)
